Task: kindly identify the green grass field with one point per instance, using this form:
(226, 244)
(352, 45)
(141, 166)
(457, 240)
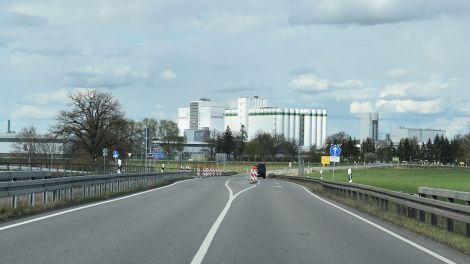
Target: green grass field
(406, 179)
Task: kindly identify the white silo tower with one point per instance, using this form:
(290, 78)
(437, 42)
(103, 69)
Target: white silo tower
(291, 123)
(308, 128)
(297, 126)
(323, 127)
(319, 128)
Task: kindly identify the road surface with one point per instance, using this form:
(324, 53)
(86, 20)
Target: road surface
(216, 220)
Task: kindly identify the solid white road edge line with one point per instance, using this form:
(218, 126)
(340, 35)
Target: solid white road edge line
(441, 258)
(201, 253)
(85, 207)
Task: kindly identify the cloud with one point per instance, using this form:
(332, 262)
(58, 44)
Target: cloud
(110, 78)
(237, 89)
(311, 83)
(167, 75)
(54, 97)
(373, 12)
(415, 90)
(409, 106)
(396, 73)
(361, 107)
(23, 20)
(454, 125)
(34, 112)
(49, 51)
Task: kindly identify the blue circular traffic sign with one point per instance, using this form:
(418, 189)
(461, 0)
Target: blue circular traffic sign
(335, 150)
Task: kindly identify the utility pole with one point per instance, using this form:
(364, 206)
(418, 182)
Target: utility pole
(146, 146)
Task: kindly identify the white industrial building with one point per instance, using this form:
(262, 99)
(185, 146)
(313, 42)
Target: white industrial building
(369, 126)
(236, 118)
(201, 115)
(421, 135)
(306, 126)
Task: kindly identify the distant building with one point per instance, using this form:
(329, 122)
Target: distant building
(421, 135)
(306, 126)
(369, 126)
(238, 117)
(200, 115)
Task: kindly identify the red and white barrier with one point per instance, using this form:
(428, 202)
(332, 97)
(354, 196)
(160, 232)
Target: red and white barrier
(254, 175)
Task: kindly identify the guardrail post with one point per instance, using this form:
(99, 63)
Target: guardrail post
(450, 224)
(14, 201)
(54, 195)
(44, 197)
(83, 191)
(433, 216)
(32, 198)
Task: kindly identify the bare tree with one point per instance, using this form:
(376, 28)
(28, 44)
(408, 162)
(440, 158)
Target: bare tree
(93, 121)
(168, 134)
(38, 146)
(211, 140)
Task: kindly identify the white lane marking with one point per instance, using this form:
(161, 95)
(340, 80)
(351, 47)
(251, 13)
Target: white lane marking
(201, 253)
(85, 207)
(441, 258)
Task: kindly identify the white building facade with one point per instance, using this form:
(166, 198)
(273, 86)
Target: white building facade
(369, 126)
(236, 118)
(201, 114)
(421, 135)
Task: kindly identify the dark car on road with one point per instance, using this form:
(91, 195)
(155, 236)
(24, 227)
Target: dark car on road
(261, 170)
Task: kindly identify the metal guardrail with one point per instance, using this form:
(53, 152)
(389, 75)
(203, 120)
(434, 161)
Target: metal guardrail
(22, 175)
(83, 186)
(450, 195)
(422, 209)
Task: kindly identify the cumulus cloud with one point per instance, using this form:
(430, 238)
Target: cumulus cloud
(372, 12)
(361, 107)
(415, 90)
(59, 96)
(167, 75)
(409, 106)
(33, 112)
(396, 73)
(311, 83)
(110, 78)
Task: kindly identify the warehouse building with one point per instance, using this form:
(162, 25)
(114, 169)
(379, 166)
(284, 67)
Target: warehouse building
(421, 135)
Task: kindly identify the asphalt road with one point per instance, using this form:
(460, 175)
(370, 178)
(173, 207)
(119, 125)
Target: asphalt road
(216, 220)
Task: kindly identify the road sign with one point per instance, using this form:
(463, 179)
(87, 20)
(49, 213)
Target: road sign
(105, 152)
(115, 154)
(335, 150)
(159, 155)
(334, 158)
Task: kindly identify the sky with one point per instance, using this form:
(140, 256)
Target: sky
(407, 60)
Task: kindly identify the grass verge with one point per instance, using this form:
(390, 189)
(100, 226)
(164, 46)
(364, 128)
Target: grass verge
(456, 241)
(23, 210)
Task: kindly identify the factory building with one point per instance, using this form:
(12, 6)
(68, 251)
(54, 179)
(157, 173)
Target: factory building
(421, 135)
(203, 114)
(369, 126)
(306, 126)
(236, 118)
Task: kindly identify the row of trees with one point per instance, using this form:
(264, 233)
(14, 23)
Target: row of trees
(275, 147)
(440, 150)
(93, 121)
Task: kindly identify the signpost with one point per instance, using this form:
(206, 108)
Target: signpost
(105, 154)
(335, 150)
